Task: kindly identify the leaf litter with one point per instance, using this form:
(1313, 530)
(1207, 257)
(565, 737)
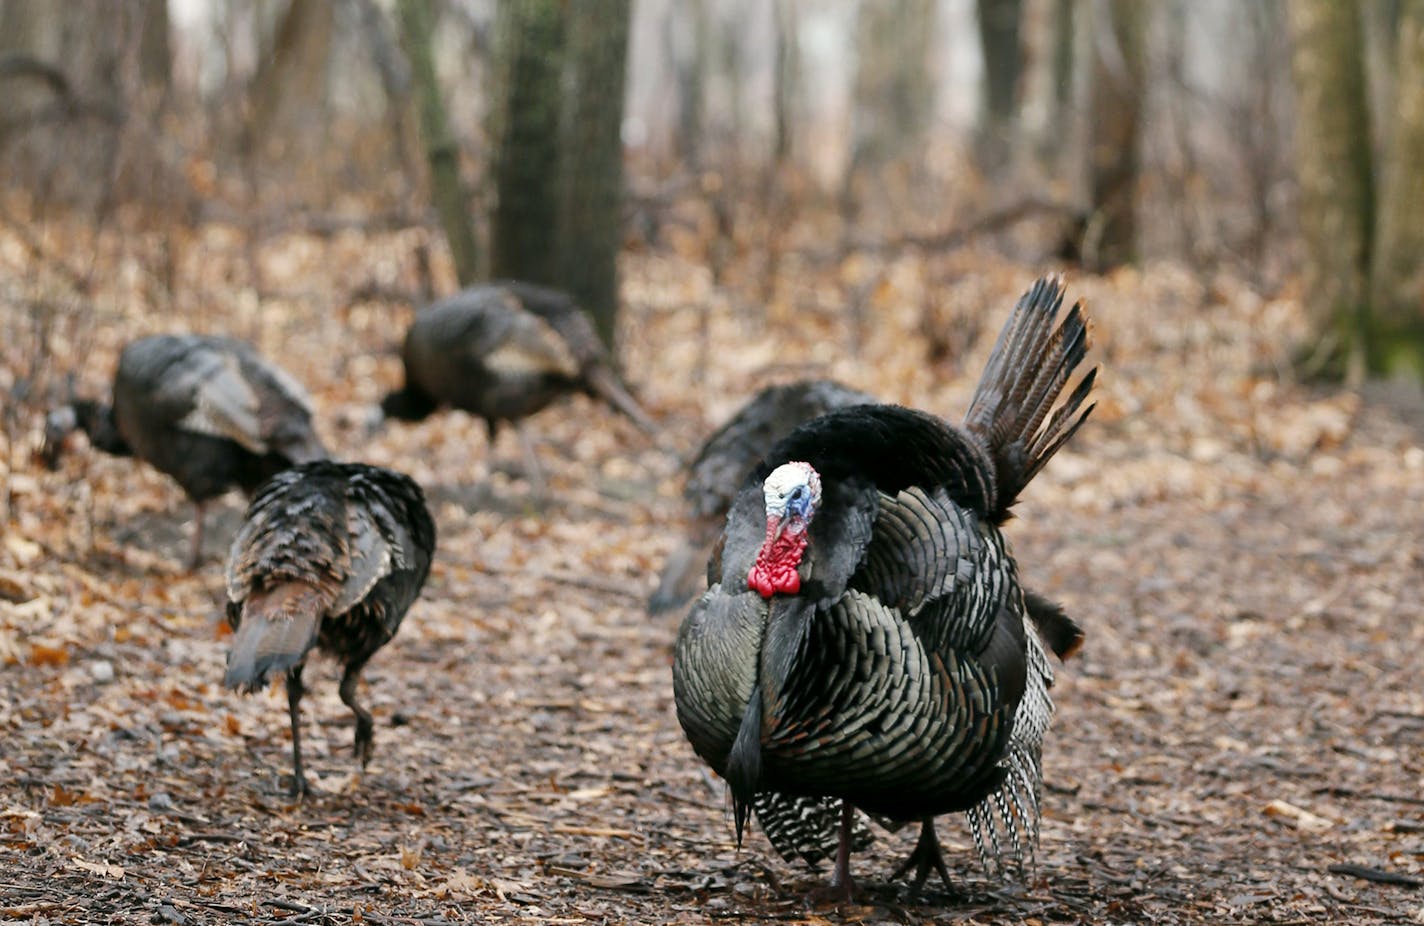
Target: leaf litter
(1240, 741)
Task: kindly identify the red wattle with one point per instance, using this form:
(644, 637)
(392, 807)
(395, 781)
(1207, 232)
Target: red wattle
(775, 569)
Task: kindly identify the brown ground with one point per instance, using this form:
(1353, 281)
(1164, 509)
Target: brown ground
(1245, 555)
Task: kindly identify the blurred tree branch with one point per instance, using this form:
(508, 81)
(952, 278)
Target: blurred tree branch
(68, 106)
(451, 200)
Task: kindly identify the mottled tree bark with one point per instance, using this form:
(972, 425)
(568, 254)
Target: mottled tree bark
(1397, 274)
(1336, 182)
(892, 97)
(588, 232)
(529, 46)
(1118, 88)
(155, 57)
(999, 24)
(289, 91)
(448, 192)
(691, 76)
(1064, 33)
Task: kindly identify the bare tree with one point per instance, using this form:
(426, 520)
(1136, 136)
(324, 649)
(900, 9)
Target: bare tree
(1336, 181)
(289, 91)
(446, 189)
(61, 101)
(155, 56)
(691, 76)
(1064, 34)
(1397, 272)
(1114, 158)
(529, 47)
(999, 24)
(893, 95)
(588, 233)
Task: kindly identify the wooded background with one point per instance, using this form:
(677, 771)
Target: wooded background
(743, 192)
(1283, 139)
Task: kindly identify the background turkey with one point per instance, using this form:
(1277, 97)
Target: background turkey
(865, 643)
(208, 411)
(504, 351)
(721, 467)
(330, 556)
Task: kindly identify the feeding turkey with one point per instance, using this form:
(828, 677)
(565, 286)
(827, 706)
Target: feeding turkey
(722, 465)
(330, 557)
(866, 645)
(503, 352)
(208, 411)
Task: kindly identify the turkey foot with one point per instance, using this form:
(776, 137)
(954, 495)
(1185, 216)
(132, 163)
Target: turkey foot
(295, 690)
(834, 894)
(195, 552)
(842, 887)
(365, 726)
(925, 858)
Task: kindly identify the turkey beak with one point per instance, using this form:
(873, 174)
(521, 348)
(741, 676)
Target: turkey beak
(791, 519)
(372, 420)
(59, 424)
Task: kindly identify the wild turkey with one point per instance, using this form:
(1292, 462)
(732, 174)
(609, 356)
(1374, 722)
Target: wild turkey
(208, 411)
(504, 351)
(865, 641)
(722, 465)
(330, 557)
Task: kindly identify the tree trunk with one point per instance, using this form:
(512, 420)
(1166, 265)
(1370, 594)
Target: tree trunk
(1064, 33)
(787, 79)
(1336, 185)
(588, 233)
(529, 49)
(999, 23)
(1397, 277)
(1118, 88)
(155, 58)
(691, 77)
(62, 97)
(1380, 20)
(290, 88)
(393, 64)
(892, 97)
(893, 92)
(451, 200)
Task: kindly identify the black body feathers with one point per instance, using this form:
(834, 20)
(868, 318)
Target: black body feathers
(208, 411)
(503, 351)
(330, 557)
(900, 675)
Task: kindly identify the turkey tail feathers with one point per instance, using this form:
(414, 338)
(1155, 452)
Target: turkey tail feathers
(1055, 628)
(279, 625)
(604, 384)
(1031, 363)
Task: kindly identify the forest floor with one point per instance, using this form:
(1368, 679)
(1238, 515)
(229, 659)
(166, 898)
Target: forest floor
(1240, 741)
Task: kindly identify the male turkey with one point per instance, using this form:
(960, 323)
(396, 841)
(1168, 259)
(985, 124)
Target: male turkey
(504, 351)
(722, 465)
(208, 411)
(330, 557)
(864, 643)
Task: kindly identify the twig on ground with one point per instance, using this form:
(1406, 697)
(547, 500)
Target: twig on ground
(1377, 875)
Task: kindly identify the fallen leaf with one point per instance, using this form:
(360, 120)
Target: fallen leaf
(102, 869)
(1302, 818)
(45, 655)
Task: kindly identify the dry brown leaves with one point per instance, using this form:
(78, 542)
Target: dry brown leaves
(1245, 554)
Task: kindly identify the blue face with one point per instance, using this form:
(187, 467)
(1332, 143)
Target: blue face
(798, 502)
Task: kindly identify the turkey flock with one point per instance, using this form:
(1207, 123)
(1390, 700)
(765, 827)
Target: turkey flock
(858, 648)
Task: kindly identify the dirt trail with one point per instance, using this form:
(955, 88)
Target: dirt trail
(1246, 717)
